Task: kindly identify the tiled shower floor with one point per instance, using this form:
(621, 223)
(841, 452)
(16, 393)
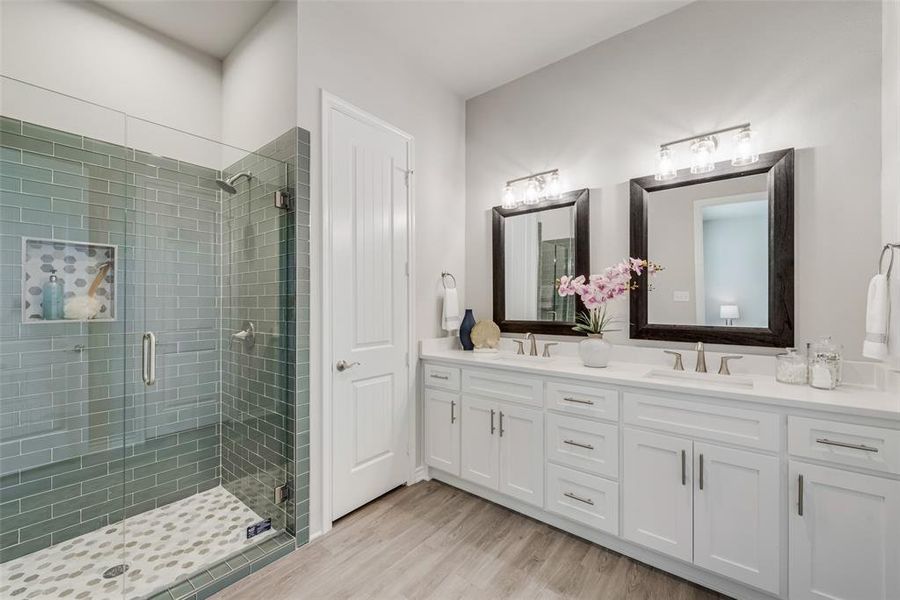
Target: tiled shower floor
(160, 547)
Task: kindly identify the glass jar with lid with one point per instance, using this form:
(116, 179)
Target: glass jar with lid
(791, 367)
(824, 361)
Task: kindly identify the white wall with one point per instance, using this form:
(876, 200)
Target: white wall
(890, 156)
(339, 54)
(81, 49)
(808, 75)
(259, 81)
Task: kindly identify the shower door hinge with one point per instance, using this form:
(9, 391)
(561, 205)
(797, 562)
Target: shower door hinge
(282, 199)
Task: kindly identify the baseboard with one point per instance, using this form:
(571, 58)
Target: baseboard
(649, 557)
(420, 474)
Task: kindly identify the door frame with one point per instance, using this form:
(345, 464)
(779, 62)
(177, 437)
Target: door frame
(329, 103)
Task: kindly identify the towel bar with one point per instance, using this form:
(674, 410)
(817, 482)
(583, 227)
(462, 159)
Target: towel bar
(888, 248)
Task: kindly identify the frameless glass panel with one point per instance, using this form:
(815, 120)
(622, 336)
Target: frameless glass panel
(213, 389)
(62, 345)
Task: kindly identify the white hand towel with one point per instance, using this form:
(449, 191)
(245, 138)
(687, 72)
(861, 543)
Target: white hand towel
(450, 320)
(878, 307)
(893, 340)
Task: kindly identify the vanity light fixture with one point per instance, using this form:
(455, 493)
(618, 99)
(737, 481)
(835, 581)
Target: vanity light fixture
(703, 152)
(538, 187)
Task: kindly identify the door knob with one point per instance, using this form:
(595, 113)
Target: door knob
(343, 365)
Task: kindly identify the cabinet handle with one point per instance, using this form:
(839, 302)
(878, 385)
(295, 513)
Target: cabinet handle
(578, 400)
(683, 467)
(444, 377)
(863, 447)
(492, 422)
(579, 444)
(800, 495)
(579, 498)
(452, 412)
(501, 423)
(701, 470)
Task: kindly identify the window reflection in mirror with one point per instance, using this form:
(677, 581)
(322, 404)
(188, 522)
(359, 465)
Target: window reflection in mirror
(713, 239)
(539, 248)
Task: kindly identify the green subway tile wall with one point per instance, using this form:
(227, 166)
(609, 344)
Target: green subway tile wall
(83, 442)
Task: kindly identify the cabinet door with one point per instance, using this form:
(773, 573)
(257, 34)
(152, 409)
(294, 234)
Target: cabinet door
(736, 515)
(480, 442)
(844, 535)
(442, 430)
(522, 453)
(657, 499)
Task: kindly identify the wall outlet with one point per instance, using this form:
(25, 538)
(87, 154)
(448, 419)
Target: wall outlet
(679, 296)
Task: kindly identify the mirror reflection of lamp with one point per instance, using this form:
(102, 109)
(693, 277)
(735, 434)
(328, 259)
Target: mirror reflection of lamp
(729, 312)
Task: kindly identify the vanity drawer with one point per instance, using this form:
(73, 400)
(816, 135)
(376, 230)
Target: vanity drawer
(446, 378)
(590, 401)
(502, 385)
(586, 445)
(587, 499)
(855, 445)
(734, 425)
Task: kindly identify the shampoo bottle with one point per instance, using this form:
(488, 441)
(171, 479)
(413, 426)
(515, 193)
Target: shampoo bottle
(53, 298)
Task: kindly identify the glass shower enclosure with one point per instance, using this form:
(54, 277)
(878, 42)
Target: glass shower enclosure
(147, 354)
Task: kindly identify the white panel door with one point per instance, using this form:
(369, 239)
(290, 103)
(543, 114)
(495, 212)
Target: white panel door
(844, 535)
(480, 442)
(442, 425)
(657, 498)
(736, 515)
(366, 165)
(522, 453)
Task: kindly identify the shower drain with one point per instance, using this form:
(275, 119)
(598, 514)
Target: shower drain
(115, 571)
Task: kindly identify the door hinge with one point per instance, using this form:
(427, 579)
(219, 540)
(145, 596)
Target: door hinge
(407, 174)
(406, 269)
(406, 358)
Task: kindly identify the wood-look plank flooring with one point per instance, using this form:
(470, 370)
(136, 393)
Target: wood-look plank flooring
(431, 540)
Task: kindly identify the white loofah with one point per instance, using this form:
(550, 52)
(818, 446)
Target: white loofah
(82, 308)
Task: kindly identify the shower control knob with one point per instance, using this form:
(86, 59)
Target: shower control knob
(343, 365)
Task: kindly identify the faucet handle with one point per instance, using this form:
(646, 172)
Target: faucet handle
(547, 345)
(521, 344)
(723, 366)
(678, 366)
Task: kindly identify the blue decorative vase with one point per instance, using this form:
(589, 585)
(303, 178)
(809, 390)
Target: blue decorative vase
(465, 330)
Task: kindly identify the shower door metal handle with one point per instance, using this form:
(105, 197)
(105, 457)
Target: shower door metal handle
(148, 358)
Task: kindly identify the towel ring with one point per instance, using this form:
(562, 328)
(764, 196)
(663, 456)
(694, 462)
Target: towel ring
(887, 248)
(444, 277)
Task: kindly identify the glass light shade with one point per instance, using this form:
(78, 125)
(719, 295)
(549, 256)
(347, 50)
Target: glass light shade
(554, 188)
(509, 197)
(666, 168)
(532, 193)
(703, 155)
(744, 148)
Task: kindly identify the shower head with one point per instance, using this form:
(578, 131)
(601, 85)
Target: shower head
(227, 185)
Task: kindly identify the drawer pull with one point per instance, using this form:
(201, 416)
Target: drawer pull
(800, 495)
(701, 470)
(578, 400)
(863, 447)
(683, 467)
(444, 377)
(492, 422)
(501, 423)
(579, 444)
(579, 498)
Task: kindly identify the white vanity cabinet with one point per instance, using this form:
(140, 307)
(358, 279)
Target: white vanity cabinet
(844, 526)
(705, 486)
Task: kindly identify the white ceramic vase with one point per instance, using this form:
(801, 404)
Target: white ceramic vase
(594, 351)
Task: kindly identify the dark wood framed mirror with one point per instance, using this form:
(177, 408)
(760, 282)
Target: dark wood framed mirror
(533, 245)
(725, 240)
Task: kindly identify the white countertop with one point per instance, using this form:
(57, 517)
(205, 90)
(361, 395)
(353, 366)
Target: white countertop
(847, 399)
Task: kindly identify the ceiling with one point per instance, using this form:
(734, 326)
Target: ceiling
(475, 46)
(470, 46)
(213, 27)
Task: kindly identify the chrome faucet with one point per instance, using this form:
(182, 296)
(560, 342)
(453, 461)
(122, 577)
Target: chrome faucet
(701, 358)
(532, 350)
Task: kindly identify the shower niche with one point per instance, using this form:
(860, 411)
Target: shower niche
(64, 281)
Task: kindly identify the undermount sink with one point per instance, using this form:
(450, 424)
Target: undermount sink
(735, 381)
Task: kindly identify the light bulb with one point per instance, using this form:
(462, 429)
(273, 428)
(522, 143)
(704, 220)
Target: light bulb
(554, 188)
(666, 169)
(744, 148)
(509, 197)
(703, 154)
(532, 194)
